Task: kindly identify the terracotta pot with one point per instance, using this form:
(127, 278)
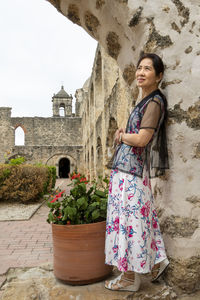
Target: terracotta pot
(79, 253)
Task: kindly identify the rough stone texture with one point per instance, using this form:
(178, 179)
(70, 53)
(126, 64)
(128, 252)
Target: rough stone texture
(108, 90)
(184, 274)
(129, 74)
(99, 4)
(113, 44)
(40, 283)
(155, 40)
(191, 116)
(175, 27)
(73, 14)
(175, 226)
(136, 17)
(182, 11)
(6, 130)
(193, 199)
(188, 50)
(166, 83)
(92, 23)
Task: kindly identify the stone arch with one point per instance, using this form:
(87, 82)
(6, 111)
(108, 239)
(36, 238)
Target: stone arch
(124, 36)
(19, 135)
(55, 159)
(20, 125)
(99, 164)
(62, 110)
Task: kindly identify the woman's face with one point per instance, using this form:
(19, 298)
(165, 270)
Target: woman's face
(146, 76)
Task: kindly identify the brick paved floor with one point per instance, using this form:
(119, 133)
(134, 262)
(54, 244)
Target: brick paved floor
(27, 243)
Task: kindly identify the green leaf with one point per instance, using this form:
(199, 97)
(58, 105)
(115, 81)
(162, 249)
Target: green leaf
(74, 191)
(50, 217)
(95, 198)
(70, 212)
(94, 205)
(100, 193)
(95, 214)
(82, 188)
(103, 204)
(82, 203)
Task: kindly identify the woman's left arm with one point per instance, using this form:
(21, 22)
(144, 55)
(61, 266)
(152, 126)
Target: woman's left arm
(140, 139)
(148, 125)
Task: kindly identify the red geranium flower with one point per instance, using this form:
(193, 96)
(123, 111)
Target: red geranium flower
(54, 200)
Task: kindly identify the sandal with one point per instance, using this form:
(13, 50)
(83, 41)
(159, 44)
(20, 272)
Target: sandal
(118, 281)
(159, 271)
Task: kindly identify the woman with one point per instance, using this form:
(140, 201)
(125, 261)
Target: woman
(133, 240)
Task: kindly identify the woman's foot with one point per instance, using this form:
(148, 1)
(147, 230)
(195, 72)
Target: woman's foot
(128, 281)
(158, 269)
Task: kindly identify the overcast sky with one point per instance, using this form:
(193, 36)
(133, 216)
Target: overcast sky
(40, 50)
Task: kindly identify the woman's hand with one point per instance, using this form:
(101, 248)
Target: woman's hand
(117, 135)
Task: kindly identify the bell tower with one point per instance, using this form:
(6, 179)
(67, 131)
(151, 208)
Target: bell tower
(62, 104)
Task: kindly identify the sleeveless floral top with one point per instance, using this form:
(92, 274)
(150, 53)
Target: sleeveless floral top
(148, 113)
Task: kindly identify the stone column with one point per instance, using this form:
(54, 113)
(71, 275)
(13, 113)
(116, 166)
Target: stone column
(7, 137)
(169, 28)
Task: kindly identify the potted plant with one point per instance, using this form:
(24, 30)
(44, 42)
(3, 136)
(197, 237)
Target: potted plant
(78, 227)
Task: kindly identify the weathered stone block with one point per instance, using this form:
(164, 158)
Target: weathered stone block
(176, 226)
(184, 274)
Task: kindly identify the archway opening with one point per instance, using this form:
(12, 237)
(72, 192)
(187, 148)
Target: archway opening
(19, 136)
(64, 168)
(62, 110)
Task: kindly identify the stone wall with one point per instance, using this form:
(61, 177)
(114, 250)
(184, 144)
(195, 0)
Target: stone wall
(105, 102)
(47, 140)
(6, 132)
(54, 131)
(171, 28)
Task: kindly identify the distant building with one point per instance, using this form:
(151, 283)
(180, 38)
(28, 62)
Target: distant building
(56, 140)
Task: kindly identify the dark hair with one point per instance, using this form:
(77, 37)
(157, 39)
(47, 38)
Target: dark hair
(156, 60)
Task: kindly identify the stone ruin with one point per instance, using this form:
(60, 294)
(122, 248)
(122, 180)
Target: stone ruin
(56, 140)
(170, 28)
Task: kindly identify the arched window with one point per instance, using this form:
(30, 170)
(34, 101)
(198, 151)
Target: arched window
(62, 110)
(19, 136)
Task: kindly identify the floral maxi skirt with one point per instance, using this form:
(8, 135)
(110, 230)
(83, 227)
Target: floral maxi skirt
(133, 237)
